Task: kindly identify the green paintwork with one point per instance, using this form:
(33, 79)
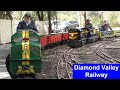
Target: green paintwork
(16, 52)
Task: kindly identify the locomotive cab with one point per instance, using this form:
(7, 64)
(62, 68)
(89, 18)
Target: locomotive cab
(90, 34)
(24, 60)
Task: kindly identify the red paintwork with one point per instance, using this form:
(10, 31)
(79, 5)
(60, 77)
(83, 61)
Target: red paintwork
(54, 38)
(65, 36)
(50, 39)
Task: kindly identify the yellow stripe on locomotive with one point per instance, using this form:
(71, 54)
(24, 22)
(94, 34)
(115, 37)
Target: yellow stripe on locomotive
(73, 35)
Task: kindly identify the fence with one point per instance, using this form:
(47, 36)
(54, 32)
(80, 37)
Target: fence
(8, 28)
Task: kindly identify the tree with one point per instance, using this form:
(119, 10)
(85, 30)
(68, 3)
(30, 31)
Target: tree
(6, 15)
(113, 19)
(54, 15)
(40, 15)
(67, 15)
(85, 16)
(96, 17)
(49, 19)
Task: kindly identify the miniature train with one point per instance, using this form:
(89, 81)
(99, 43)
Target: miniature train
(24, 60)
(79, 37)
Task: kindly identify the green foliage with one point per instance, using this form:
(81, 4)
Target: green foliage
(19, 15)
(96, 21)
(5, 15)
(61, 15)
(67, 15)
(95, 13)
(113, 20)
(96, 17)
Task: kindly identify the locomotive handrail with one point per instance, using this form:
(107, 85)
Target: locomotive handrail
(84, 28)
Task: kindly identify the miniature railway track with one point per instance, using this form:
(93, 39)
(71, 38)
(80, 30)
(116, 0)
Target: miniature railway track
(66, 65)
(66, 60)
(69, 63)
(100, 52)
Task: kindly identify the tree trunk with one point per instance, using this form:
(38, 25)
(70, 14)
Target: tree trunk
(38, 14)
(85, 17)
(41, 18)
(49, 19)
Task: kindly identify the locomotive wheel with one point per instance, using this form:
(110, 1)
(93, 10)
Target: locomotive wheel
(80, 44)
(8, 66)
(72, 46)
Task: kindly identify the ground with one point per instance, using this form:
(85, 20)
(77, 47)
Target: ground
(4, 51)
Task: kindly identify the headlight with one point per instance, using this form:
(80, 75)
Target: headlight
(72, 34)
(25, 46)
